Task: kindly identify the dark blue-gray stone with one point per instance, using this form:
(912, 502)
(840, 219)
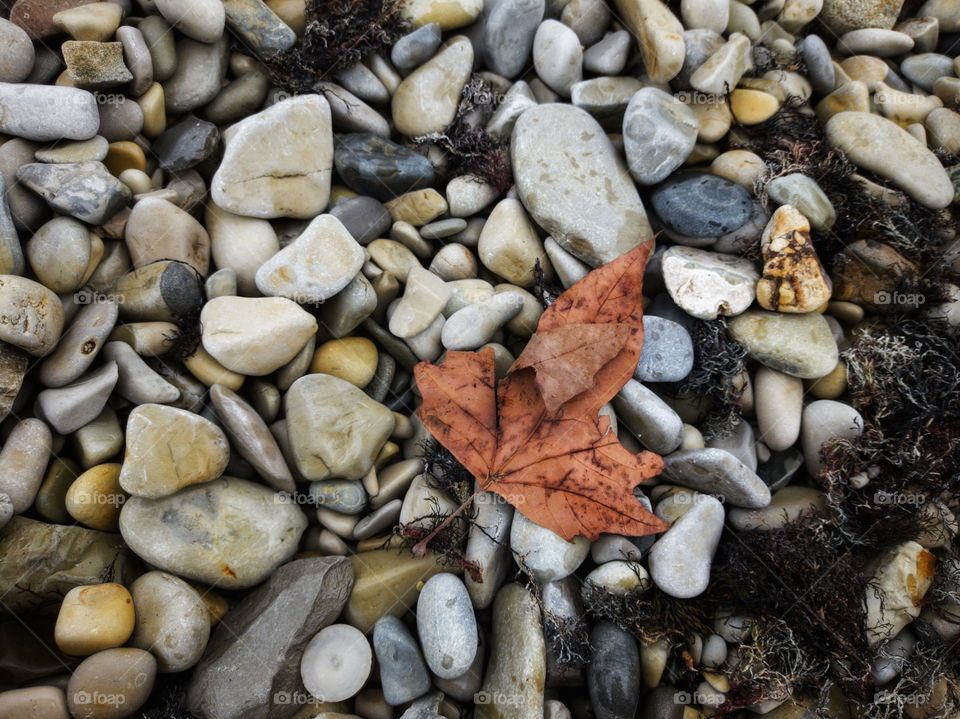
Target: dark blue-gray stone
(373, 166)
(820, 72)
(403, 673)
(85, 190)
(364, 217)
(416, 47)
(699, 204)
(258, 27)
(341, 495)
(613, 676)
(667, 354)
(662, 703)
(188, 143)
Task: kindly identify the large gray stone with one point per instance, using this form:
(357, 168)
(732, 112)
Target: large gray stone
(85, 190)
(251, 669)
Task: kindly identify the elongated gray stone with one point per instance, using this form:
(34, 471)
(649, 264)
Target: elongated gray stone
(85, 190)
(47, 112)
(718, 472)
(68, 408)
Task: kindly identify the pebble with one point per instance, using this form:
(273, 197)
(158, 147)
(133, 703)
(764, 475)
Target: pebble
(509, 35)
(681, 559)
(17, 57)
(42, 702)
(374, 166)
(793, 279)
(95, 497)
(403, 673)
(417, 207)
(278, 162)
(667, 354)
(826, 420)
(94, 618)
(803, 193)
(509, 244)
(648, 417)
(336, 663)
(172, 622)
(336, 430)
(546, 555)
(258, 27)
(709, 284)
(557, 56)
(569, 180)
(416, 47)
(44, 113)
(448, 15)
(446, 626)
(513, 684)
(723, 69)
(473, 326)
(659, 133)
(85, 190)
(201, 20)
(878, 145)
(701, 205)
(186, 144)
(877, 42)
(901, 577)
(779, 406)
(799, 345)
(112, 683)
(247, 532)
(364, 217)
(660, 36)
(23, 461)
(613, 675)
(314, 267)
(427, 99)
(244, 333)
(719, 472)
(619, 577)
(69, 408)
(788, 505)
(609, 55)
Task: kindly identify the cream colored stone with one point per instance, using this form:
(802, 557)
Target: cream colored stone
(427, 99)
(509, 244)
(660, 36)
(448, 14)
(96, 21)
(417, 207)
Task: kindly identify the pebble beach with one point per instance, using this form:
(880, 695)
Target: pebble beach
(314, 316)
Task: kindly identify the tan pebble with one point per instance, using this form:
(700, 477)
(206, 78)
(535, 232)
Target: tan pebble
(853, 97)
(351, 358)
(154, 110)
(111, 684)
(41, 702)
(206, 369)
(339, 193)
(51, 501)
(125, 155)
(418, 207)
(94, 618)
(95, 498)
(751, 107)
(866, 69)
(830, 386)
(292, 12)
(740, 166)
(846, 312)
(388, 453)
(97, 21)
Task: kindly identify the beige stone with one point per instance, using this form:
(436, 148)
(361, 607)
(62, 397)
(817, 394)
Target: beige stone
(509, 244)
(448, 14)
(111, 684)
(351, 358)
(751, 107)
(95, 498)
(793, 279)
(895, 592)
(94, 618)
(660, 36)
(740, 166)
(428, 98)
(417, 207)
(96, 21)
(31, 316)
(210, 372)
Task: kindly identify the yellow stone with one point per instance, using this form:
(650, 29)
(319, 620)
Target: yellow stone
(740, 166)
(292, 12)
(388, 453)
(97, 21)
(206, 369)
(385, 582)
(448, 14)
(351, 358)
(154, 109)
(125, 155)
(95, 498)
(93, 618)
(418, 207)
(829, 386)
(852, 97)
(751, 107)
(866, 69)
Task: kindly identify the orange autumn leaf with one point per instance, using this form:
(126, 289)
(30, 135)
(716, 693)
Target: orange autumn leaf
(563, 469)
(588, 342)
(536, 438)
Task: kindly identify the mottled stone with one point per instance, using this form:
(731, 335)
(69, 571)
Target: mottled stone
(85, 190)
(659, 133)
(799, 345)
(375, 166)
(793, 279)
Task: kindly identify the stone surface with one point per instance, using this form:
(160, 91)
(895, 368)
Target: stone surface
(17, 57)
(779, 406)
(246, 532)
(278, 162)
(252, 665)
(826, 420)
(201, 20)
(85, 190)
(23, 461)
(188, 143)
(446, 626)
(45, 113)
(336, 663)
(374, 166)
(427, 99)
(122, 677)
(259, 27)
(569, 180)
(793, 279)
(547, 555)
(557, 56)
(798, 345)
(803, 193)
(680, 560)
(895, 591)
(842, 16)
(659, 133)
(255, 335)
(667, 354)
(199, 69)
(708, 284)
(648, 417)
(508, 35)
(159, 230)
(697, 204)
(94, 618)
(172, 621)
(878, 145)
(660, 36)
(336, 430)
(403, 673)
(69, 408)
(613, 675)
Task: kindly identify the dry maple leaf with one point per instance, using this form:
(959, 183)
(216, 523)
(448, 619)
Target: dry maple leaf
(560, 464)
(588, 342)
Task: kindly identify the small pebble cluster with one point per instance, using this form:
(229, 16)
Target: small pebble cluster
(230, 229)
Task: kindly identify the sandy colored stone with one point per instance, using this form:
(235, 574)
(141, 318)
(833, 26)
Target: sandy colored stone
(96, 497)
(660, 36)
(448, 14)
(793, 279)
(94, 618)
(31, 316)
(417, 207)
(353, 359)
(427, 99)
(751, 107)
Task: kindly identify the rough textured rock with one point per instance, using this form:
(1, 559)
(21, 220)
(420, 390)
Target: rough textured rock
(251, 669)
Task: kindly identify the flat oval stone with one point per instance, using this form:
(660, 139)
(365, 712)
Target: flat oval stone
(805, 194)
(229, 532)
(778, 405)
(336, 663)
(718, 472)
(659, 133)
(667, 354)
(613, 675)
(17, 56)
(69, 408)
(446, 626)
(708, 284)
(879, 145)
(375, 166)
(403, 673)
(648, 417)
(569, 179)
(699, 204)
(22, 463)
(680, 560)
(125, 675)
(172, 621)
(798, 345)
(546, 555)
(428, 98)
(47, 112)
(416, 47)
(60, 253)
